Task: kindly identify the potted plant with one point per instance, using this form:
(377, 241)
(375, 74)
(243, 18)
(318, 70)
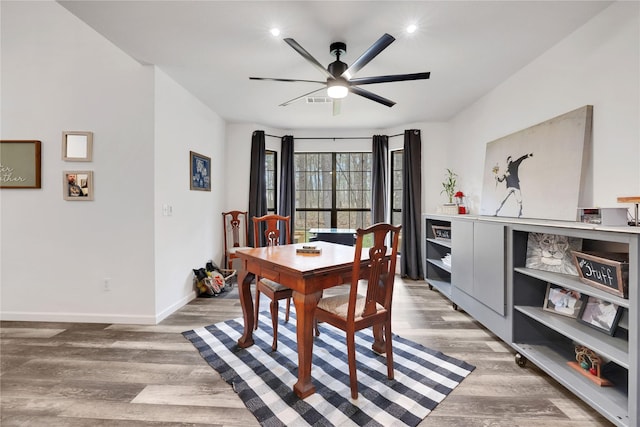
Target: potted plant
(449, 185)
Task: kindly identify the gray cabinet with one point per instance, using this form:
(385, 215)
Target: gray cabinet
(488, 278)
(548, 339)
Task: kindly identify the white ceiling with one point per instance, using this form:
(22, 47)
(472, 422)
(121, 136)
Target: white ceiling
(213, 47)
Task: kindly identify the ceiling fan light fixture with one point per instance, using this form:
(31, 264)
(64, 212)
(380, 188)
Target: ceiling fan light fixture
(337, 89)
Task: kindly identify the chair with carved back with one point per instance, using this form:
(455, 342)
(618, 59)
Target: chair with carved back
(271, 227)
(236, 235)
(352, 311)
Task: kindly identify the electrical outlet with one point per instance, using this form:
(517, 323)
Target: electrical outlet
(107, 284)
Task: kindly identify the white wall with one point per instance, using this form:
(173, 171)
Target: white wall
(599, 65)
(192, 234)
(57, 75)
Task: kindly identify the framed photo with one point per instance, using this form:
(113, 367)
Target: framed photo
(559, 300)
(77, 185)
(600, 314)
(199, 172)
(20, 164)
(77, 146)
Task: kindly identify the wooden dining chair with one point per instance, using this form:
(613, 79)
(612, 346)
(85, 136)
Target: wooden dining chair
(236, 235)
(352, 311)
(271, 226)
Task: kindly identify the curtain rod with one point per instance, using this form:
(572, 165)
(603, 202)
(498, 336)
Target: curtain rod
(334, 137)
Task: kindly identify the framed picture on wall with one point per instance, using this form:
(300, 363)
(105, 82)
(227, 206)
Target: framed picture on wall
(77, 185)
(20, 164)
(199, 171)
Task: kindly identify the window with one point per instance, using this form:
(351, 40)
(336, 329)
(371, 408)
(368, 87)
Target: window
(271, 179)
(333, 190)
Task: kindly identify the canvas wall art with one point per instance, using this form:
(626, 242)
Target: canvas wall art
(539, 172)
(551, 252)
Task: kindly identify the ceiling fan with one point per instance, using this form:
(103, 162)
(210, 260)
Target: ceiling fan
(339, 77)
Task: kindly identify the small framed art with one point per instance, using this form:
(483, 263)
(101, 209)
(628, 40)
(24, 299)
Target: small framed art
(600, 314)
(559, 300)
(77, 185)
(77, 146)
(199, 171)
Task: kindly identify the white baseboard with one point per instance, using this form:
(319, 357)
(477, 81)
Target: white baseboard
(96, 318)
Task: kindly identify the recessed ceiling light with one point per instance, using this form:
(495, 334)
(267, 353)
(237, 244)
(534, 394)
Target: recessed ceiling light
(412, 28)
(275, 32)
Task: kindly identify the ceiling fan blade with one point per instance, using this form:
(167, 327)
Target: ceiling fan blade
(371, 96)
(390, 78)
(337, 104)
(284, 104)
(366, 57)
(294, 44)
(286, 80)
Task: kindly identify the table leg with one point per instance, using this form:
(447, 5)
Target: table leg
(305, 310)
(244, 287)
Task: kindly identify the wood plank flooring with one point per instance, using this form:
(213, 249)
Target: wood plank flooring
(71, 374)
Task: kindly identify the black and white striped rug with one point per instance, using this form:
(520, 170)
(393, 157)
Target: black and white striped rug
(264, 379)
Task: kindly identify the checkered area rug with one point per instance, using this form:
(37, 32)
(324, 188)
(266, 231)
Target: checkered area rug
(264, 379)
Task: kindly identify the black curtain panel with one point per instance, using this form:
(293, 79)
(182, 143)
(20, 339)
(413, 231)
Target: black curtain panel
(411, 259)
(286, 207)
(380, 151)
(257, 184)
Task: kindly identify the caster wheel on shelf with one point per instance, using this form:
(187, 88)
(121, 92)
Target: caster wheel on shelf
(521, 360)
(454, 306)
(430, 287)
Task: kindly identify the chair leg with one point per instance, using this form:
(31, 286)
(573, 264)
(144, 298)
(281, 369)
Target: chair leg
(389, 349)
(256, 310)
(274, 322)
(351, 355)
(286, 317)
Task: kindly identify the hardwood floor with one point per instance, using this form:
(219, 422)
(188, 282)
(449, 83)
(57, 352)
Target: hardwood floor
(70, 374)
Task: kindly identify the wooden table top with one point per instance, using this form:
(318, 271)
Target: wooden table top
(333, 256)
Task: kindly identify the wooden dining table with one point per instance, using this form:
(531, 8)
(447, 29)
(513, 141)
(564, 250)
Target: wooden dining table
(307, 275)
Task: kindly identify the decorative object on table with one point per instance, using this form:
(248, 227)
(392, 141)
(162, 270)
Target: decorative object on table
(449, 185)
(559, 300)
(199, 172)
(441, 232)
(263, 378)
(20, 164)
(462, 209)
(589, 364)
(608, 271)
(537, 172)
(77, 185)
(636, 201)
(600, 314)
(311, 250)
(550, 252)
(77, 146)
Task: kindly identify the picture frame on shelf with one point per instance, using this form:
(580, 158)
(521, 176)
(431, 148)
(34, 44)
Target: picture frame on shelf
(77, 185)
(563, 301)
(600, 314)
(608, 271)
(551, 252)
(199, 172)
